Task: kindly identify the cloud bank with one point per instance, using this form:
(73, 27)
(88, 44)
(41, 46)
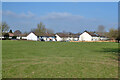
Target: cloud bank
(55, 20)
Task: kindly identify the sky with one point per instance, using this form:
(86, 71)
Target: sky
(60, 16)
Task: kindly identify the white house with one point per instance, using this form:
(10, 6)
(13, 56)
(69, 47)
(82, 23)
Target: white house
(32, 37)
(91, 36)
(22, 36)
(42, 37)
(47, 37)
(75, 37)
(66, 37)
(58, 38)
(103, 38)
(9, 35)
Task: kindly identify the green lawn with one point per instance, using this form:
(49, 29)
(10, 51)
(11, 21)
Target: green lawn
(31, 59)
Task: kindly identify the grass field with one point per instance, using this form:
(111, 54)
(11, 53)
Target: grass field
(31, 59)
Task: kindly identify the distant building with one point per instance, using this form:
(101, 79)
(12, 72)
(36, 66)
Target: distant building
(22, 36)
(42, 37)
(66, 37)
(91, 36)
(85, 36)
(7, 35)
(32, 37)
(52, 37)
(47, 37)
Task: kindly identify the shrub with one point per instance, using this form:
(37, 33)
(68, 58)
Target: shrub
(6, 36)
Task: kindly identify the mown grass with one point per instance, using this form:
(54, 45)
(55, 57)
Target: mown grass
(31, 59)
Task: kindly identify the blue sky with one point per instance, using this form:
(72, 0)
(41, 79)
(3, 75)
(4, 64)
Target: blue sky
(59, 16)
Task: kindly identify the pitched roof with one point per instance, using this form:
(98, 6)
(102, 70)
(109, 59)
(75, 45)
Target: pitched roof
(33, 33)
(43, 34)
(22, 35)
(92, 34)
(47, 35)
(75, 35)
(62, 35)
(11, 34)
(101, 35)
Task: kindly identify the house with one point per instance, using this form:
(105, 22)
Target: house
(2, 36)
(91, 36)
(75, 37)
(66, 37)
(47, 37)
(11, 35)
(41, 37)
(32, 36)
(22, 36)
(7, 35)
(102, 38)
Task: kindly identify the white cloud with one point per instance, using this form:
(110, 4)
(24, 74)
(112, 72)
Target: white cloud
(28, 15)
(21, 15)
(56, 20)
(7, 13)
(58, 15)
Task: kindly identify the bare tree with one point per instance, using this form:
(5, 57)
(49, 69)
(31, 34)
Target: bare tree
(5, 27)
(101, 30)
(64, 32)
(17, 32)
(50, 31)
(40, 29)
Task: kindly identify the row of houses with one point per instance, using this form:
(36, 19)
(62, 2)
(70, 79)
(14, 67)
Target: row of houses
(85, 36)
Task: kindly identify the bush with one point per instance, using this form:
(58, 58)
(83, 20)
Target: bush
(6, 36)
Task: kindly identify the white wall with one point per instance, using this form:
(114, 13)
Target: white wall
(24, 37)
(58, 38)
(1, 37)
(75, 39)
(32, 36)
(53, 39)
(66, 38)
(85, 37)
(69, 38)
(103, 38)
(48, 38)
(95, 38)
(17, 37)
